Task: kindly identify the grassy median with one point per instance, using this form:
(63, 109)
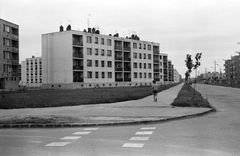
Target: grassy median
(57, 98)
(185, 98)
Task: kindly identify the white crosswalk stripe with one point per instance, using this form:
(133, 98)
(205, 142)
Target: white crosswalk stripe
(148, 128)
(139, 138)
(135, 145)
(90, 129)
(71, 138)
(144, 133)
(58, 144)
(81, 133)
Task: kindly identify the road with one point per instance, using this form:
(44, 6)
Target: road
(216, 134)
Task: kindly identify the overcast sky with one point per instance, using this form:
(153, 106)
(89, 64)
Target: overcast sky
(180, 26)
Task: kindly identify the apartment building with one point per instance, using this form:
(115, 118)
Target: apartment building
(81, 59)
(9, 55)
(232, 70)
(177, 76)
(31, 73)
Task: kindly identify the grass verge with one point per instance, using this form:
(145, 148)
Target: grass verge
(185, 98)
(57, 98)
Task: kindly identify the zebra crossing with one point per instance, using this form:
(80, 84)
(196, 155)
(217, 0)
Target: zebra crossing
(139, 138)
(74, 136)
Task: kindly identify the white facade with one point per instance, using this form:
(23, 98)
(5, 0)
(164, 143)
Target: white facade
(76, 59)
(31, 72)
(177, 77)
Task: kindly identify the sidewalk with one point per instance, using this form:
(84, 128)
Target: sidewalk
(129, 112)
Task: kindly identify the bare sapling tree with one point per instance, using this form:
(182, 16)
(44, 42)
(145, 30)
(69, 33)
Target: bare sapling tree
(189, 64)
(196, 65)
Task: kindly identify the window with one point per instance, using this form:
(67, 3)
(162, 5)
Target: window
(6, 42)
(89, 39)
(144, 56)
(145, 65)
(134, 65)
(109, 75)
(109, 42)
(140, 55)
(140, 75)
(109, 53)
(96, 75)
(160, 57)
(96, 63)
(145, 75)
(140, 65)
(149, 65)
(102, 41)
(89, 63)
(160, 63)
(89, 51)
(96, 51)
(103, 63)
(135, 55)
(6, 28)
(134, 45)
(96, 40)
(102, 52)
(149, 47)
(144, 46)
(140, 46)
(109, 64)
(160, 70)
(149, 75)
(6, 54)
(89, 74)
(149, 56)
(135, 75)
(103, 75)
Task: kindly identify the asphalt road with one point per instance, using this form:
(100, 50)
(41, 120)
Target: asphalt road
(216, 134)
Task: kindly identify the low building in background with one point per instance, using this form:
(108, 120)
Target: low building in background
(31, 72)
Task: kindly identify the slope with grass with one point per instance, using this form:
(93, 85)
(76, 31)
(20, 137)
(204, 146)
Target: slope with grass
(185, 98)
(57, 98)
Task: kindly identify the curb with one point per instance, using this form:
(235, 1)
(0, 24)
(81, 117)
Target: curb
(73, 125)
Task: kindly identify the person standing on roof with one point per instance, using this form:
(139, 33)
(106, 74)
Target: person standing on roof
(155, 90)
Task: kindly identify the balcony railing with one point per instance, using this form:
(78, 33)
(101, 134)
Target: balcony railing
(118, 58)
(79, 43)
(127, 48)
(127, 69)
(118, 47)
(77, 67)
(118, 69)
(77, 55)
(156, 61)
(155, 51)
(14, 73)
(78, 79)
(127, 58)
(127, 79)
(119, 79)
(156, 70)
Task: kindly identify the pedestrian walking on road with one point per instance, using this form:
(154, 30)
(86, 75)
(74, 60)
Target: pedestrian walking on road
(155, 90)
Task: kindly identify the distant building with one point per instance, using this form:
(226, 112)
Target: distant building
(9, 55)
(177, 76)
(31, 73)
(232, 70)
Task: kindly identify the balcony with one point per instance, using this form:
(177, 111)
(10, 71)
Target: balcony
(127, 59)
(77, 79)
(77, 55)
(119, 79)
(156, 70)
(118, 47)
(155, 51)
(118, 69)
(156, 61)
(127, 48)
(118, 58)
(127, 69)
(77, 67)
(127, 79)
(14, 73)
(78, 43)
